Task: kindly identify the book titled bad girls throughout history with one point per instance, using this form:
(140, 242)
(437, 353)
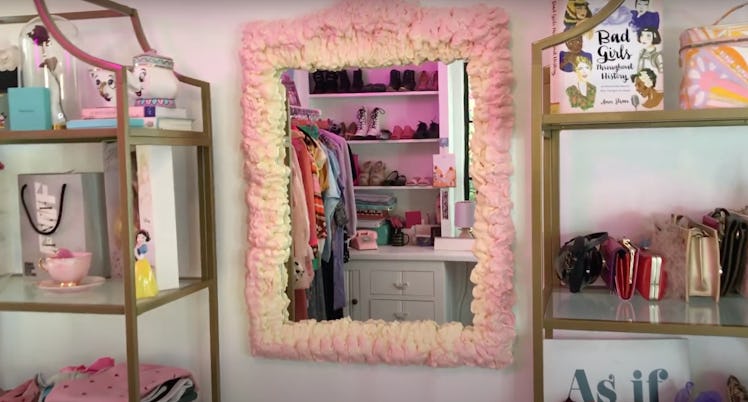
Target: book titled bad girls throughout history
(616, 66)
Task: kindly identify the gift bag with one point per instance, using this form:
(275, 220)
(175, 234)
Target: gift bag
(62, 210)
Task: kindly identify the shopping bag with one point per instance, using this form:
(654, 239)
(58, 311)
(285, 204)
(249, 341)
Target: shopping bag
(62, 210)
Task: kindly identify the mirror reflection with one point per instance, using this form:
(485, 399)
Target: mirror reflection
(380, 193)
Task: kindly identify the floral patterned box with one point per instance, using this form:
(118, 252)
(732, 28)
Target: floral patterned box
(616, 66)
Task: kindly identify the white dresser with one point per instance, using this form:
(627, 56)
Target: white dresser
(407, 284)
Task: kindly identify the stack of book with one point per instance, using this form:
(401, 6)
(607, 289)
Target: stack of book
(157, 117)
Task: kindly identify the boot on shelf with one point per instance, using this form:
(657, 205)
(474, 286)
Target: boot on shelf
(345, 83)
(318, 77)
(434, 82)
(331, 81)
(358, 81)
(362, 120)
(375, 123)
(424, 83)
(422, 131)
(409, 81)
(434, 129)
(395, 81)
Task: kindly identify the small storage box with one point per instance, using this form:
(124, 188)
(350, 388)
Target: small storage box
(29, 108)
(381, 226)
(714, 60)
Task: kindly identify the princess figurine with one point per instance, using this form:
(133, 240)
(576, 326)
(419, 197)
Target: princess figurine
(145, 281)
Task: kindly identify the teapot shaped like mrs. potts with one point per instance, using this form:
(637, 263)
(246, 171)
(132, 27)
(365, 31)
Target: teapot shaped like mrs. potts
(152, 80)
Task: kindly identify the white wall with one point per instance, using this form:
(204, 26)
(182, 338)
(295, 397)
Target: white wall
(204, 39)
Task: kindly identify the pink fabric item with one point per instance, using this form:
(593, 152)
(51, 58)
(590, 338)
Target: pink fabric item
(100, 364)
(26, 392)
(110, 384)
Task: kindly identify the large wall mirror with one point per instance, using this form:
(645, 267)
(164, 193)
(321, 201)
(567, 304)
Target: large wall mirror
(361, 34)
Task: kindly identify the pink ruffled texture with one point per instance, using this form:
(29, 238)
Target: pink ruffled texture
(371, 34)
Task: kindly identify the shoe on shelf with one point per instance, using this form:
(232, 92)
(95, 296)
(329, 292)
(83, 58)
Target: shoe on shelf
(385, 134)
(375, 123)
(422, 131)
(397, 133)
(364, 175)
(377, 173)
(424, 82)
(391, 178)
(318, 78)
(395, 81)
(408, 133)
(434, 82)
(434, 129)
(358, 81)
(331, 81)
(345, 83)
(409, 81)
(362, 122)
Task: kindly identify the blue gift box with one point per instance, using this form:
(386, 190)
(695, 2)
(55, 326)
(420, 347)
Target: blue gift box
(29, 108)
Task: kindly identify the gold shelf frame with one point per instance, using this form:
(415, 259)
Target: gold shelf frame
(126, 138)
(545, 131)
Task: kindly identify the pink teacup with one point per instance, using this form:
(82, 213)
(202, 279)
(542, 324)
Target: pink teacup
(68, 271)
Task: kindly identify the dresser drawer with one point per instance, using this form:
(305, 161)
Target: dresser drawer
(402, 283)
(402, 310)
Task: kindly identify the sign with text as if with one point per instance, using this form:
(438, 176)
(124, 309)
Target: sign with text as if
(608, 370)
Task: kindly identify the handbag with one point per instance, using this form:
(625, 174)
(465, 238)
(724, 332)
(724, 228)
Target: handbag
(651, 280)
(622, 261)
(702, 259)
(732, 233)
(579, 262)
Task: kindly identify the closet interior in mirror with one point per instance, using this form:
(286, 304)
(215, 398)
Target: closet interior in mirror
(382, 205)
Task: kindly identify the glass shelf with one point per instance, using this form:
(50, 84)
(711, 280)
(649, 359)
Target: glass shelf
(595, 309)
(21, 294)
(645, 119)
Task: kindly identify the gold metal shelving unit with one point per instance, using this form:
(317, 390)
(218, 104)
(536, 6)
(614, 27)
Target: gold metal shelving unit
(554, 308)
(118, 297)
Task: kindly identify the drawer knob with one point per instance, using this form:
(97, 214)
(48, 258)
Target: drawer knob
(401, 285)
(400, 316)
(354, 302)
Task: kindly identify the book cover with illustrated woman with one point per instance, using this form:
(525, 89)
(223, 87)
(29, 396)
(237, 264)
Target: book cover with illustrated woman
(608, 59)
(582, 93)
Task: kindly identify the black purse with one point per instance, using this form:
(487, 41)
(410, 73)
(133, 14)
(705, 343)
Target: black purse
(580, 262)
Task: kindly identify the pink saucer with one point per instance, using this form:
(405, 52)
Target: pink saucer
(87, 283)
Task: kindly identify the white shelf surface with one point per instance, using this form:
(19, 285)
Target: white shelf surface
(394, 188)
(411, 253)
(393, 142)
(373, 94)
(22, 294)
(602, 305)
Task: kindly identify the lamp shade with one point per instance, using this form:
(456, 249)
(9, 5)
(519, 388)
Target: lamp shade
(464, 214)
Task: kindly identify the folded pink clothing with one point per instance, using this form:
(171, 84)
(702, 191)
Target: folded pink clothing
(110, 384)
(100, 364)
(26, 392)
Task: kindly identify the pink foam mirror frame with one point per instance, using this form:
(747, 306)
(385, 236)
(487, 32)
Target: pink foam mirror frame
(387, 33)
